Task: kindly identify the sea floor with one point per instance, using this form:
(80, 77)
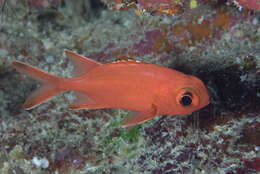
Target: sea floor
(213, 40)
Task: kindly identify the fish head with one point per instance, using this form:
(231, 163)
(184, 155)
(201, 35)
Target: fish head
(190, 95)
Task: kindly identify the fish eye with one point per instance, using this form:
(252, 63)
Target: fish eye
(186, 99)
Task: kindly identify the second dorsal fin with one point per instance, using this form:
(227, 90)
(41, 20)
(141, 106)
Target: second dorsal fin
(81, 64)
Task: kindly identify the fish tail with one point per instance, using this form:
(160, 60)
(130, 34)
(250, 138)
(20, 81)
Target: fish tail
(50, 84)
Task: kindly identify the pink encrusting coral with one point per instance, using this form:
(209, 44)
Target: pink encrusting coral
(36, 3)
(250, 4)
(253, 164)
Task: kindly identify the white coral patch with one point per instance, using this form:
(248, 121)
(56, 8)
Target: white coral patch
(43, 162)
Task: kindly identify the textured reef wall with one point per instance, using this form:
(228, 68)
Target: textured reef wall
(216, 40)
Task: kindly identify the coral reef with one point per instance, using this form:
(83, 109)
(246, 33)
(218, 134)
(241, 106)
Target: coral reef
(208, 38)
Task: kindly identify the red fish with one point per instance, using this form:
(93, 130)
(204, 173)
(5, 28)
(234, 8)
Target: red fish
(146, 89)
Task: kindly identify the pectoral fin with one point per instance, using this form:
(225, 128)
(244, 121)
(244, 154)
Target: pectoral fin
(135, 118)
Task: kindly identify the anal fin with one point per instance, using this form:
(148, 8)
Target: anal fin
(82, 101)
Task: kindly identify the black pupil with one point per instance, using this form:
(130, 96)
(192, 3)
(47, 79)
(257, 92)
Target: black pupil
(186, 100)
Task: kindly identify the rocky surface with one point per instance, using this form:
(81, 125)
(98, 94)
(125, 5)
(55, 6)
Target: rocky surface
(218, 41)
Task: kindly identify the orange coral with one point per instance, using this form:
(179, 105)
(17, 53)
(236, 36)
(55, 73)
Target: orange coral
(178, 29)
(161, 45)
(203, 30)
(199, 31)
(222, 20)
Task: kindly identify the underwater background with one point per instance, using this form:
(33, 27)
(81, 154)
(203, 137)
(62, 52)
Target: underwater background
(215, 40)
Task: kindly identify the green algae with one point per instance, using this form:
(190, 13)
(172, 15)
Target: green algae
(125, 135)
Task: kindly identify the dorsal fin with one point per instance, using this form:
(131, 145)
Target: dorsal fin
(124, 58)
(127, 60)
(81, 64)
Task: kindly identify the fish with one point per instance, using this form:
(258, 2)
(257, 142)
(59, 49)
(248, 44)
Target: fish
(146, 89)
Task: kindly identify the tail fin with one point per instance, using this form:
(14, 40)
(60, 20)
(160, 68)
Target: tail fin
(49, 84)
